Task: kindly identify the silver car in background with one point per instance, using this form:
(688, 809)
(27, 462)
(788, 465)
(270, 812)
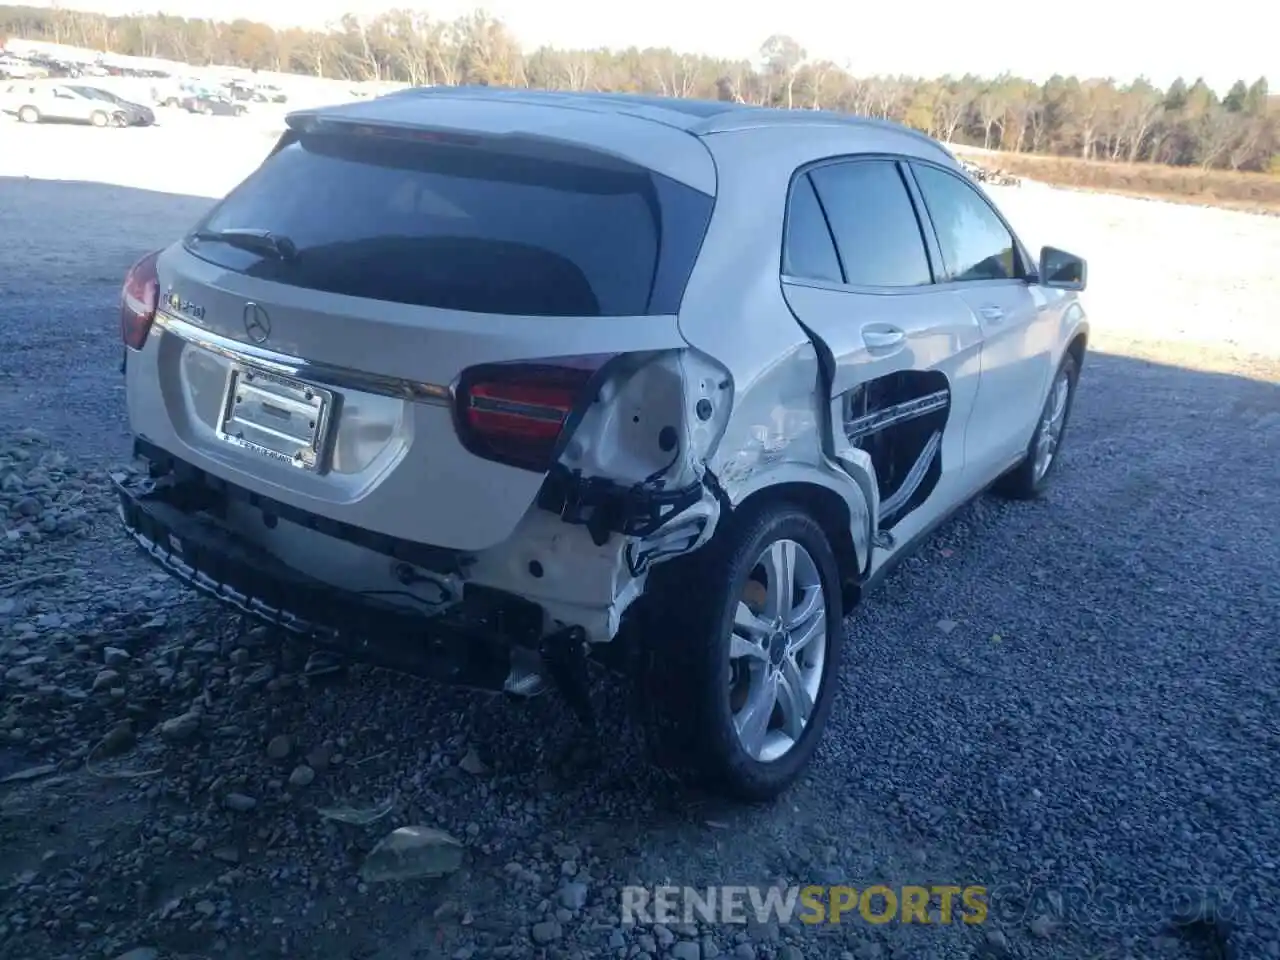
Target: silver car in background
(35, 101)
(136, 114)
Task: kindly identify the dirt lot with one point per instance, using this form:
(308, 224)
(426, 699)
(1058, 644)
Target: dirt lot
(1073, 702)
(1252, 192)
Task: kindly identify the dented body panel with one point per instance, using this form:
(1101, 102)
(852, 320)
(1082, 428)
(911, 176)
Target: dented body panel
(788, 423)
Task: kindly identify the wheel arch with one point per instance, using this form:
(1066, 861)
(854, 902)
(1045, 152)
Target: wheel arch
(834, 512)
(1079, 345)
(1075, 333)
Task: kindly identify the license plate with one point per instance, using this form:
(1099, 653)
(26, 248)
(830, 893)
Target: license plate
(276, 417)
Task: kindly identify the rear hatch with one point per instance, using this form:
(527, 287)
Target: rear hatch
(392, 325)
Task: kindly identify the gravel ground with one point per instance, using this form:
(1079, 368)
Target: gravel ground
(1073, 701)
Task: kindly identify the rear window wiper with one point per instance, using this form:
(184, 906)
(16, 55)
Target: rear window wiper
(252, 239)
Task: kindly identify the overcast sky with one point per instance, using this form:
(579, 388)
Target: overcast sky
(1117, 38)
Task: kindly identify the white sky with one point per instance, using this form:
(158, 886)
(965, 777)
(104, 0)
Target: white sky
(1117, 38)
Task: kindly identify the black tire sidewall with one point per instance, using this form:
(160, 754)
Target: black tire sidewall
(1021, 483)
(1072, 370)
(693, 668)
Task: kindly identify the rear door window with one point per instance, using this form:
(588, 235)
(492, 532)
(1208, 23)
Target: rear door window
(874, 223)
(976, 245)
(809, 253)
(460, 224)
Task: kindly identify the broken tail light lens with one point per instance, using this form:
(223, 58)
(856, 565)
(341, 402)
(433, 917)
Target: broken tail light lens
(517, 413)
(138, 301)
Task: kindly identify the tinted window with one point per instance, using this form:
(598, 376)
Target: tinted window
(463, 227)
(809, 251)
(874, 223)
(975, 243)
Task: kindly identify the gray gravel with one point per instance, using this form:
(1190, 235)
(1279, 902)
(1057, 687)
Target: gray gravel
(1050, 699)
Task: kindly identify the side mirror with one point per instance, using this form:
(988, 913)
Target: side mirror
(1062, 270)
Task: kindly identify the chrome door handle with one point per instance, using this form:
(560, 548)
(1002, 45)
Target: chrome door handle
(883, 339)
(994, 314)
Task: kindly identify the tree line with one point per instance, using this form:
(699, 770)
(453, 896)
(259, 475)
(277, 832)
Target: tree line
(1187, 124)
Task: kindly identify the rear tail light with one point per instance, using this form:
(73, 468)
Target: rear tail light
(138, 301)
(518, 413)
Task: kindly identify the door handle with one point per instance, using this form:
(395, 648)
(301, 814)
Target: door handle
(883, 339)
(993, 314)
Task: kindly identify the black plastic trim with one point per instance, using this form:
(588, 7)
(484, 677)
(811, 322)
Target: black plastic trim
(174, 522)
(606, 507)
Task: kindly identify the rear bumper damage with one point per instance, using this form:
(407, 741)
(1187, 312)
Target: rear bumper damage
(257, 555)
(488, 640)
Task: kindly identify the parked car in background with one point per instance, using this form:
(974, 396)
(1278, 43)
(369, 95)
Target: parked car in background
(18, 69)
(33, 101)
(136, 115)
(267, 93)
(213, 106)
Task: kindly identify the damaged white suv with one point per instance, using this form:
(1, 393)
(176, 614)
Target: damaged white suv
(480, 384)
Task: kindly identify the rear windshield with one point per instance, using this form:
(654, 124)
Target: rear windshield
(465, 228)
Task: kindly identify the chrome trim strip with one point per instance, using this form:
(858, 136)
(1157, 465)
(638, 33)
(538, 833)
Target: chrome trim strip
(322, 374)
(907, 410)
(893, 503)
(170, 561)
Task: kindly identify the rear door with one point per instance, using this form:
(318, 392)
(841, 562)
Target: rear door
(902, 354)
(65, 104)
(984, 264)
(451, 294)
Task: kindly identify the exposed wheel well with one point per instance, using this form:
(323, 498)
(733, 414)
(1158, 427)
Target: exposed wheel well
(1077, 348)
(832, 513)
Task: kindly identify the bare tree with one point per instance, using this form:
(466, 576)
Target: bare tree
(1219, 132)
(814, 78)
(577, 67)
(991, 109)
(949, 110)
(1187, 125)
(783, 58)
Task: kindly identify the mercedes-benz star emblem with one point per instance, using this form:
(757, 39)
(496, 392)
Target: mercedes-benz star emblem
(256, 323)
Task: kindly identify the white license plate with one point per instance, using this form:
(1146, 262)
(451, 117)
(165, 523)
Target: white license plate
(277, 417)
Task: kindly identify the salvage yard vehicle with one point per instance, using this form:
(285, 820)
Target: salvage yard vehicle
(483, 384)
(135, 114)
(212, 105)
(1001, 178)
(33, 101)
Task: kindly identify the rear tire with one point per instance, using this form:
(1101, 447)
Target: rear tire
(1030, 478)
(703, 679)
(29, 115)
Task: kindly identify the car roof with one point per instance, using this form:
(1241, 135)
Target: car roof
(700, 118)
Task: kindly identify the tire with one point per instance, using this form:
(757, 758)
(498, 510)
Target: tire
(694, 693)
(99, 119)
(29, 115)
(1028, 480)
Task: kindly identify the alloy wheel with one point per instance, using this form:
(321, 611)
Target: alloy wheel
(777, 650)
(1054, 419)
